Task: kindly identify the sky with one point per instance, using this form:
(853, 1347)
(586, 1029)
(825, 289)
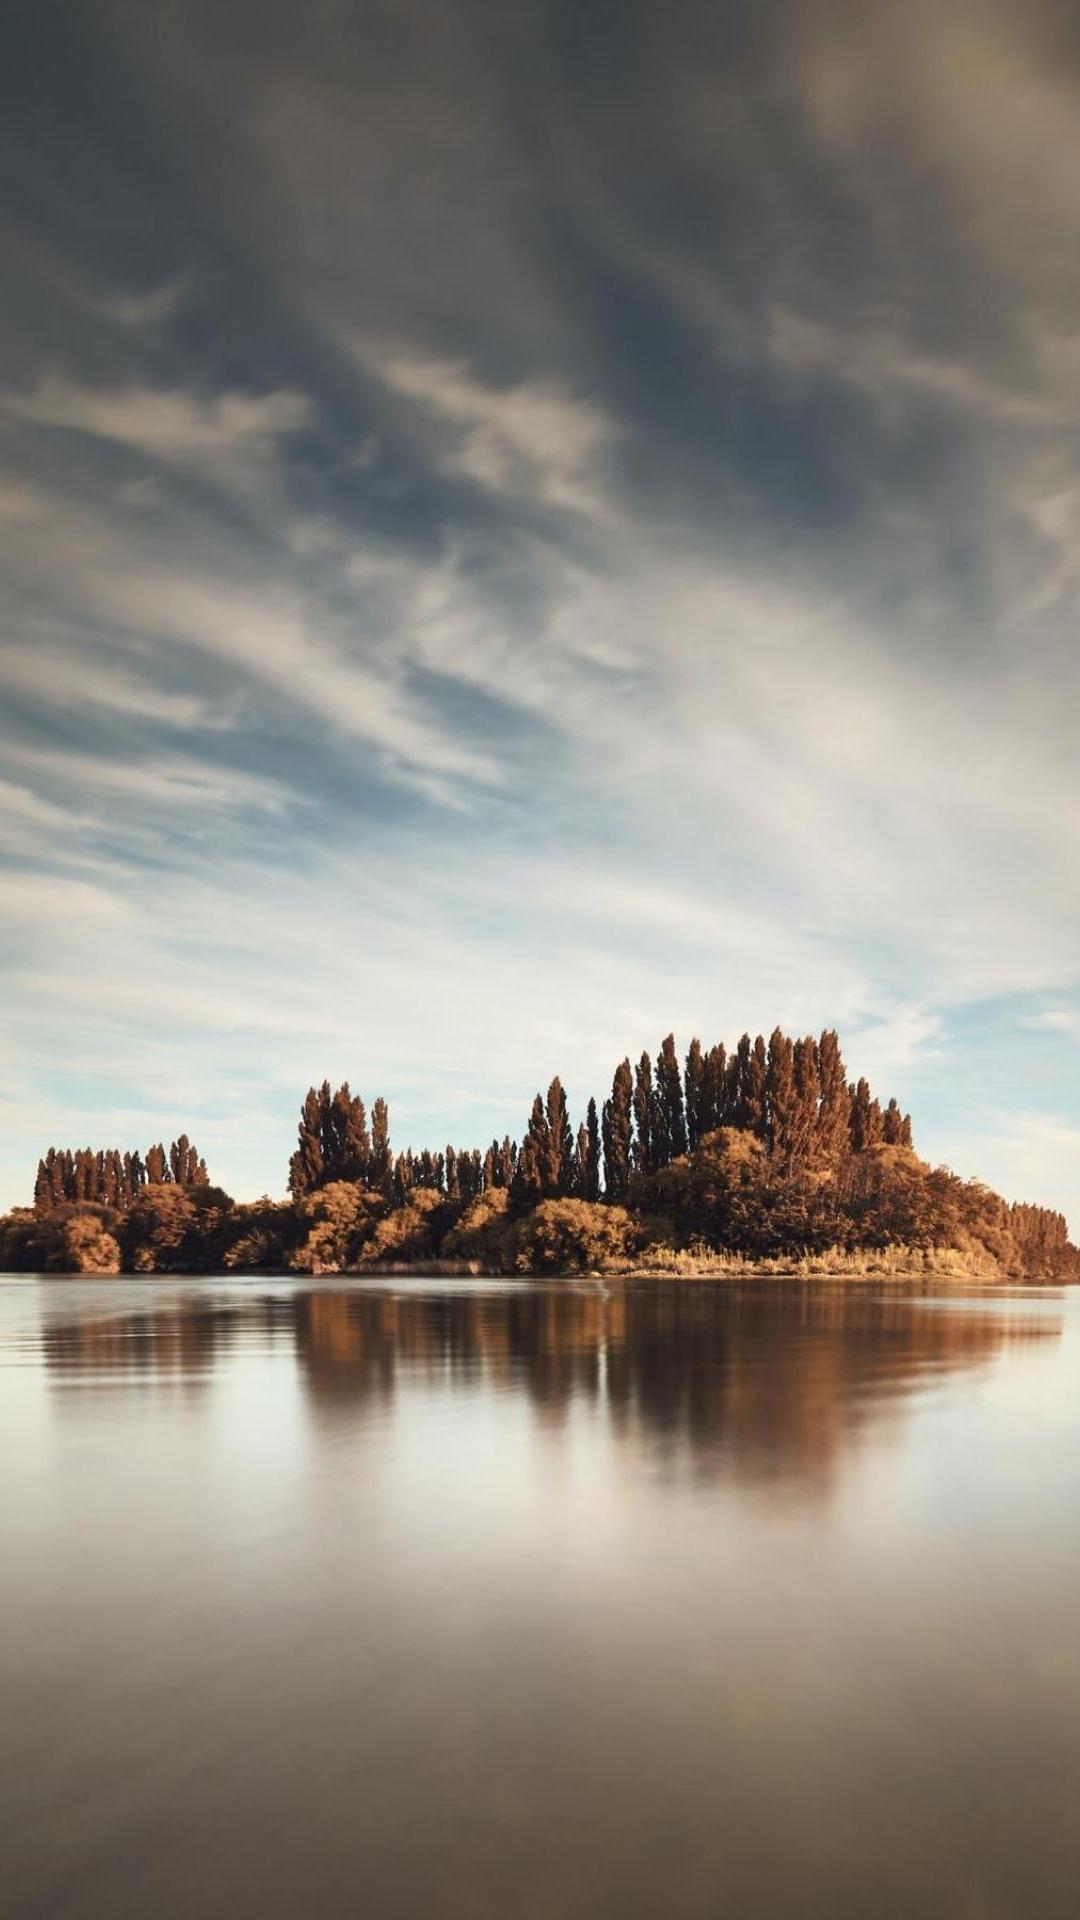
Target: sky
(525, 526)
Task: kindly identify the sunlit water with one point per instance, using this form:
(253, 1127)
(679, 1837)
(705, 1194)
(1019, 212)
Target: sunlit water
(450, 1599)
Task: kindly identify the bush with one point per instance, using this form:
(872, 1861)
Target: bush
(334, 1223)
(408, 1233)
(483, 1233)
(175, 1229)
(573, 1236)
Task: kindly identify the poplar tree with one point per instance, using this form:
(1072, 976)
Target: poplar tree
(714, 1111)
(746, 1100)
(865, 1118)
(534, 1159)
(307, 1166)
(349, 1153)
(696, 1096)
(592, 1162)
(643, 1116)
(617, 1133)
(557, 1162)
(581, 1162)
(780, 1100)
(669, 1119)
(832, 1133)
(499, 1163)
(754, 1096)
(380, 1157)
(528, 1182)
(807, 1095)
(157, 1167)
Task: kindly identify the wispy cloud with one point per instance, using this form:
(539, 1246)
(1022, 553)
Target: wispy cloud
(532, 437)
(235, 433)
(510, 548)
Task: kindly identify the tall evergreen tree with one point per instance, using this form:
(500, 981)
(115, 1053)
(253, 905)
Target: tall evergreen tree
(157, 1166)
(694, 1082)
(865, 1118)
(643, 1116)
(746, 1098)
(668, 1116)
(381, 1158)
(755, 1095)
(534, 1159)
(592, 1158)
(617, 1133)
(557, 1163)
(780, 1098)
(581, 1161)
(832, 1133)
(350, 1154)
(307, 1166)
(807, 1095)
(714, 1100)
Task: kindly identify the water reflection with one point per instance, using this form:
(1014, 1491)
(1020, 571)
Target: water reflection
(770, 1379)
(490, 1599)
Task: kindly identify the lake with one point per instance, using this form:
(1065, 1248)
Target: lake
(448, 1598)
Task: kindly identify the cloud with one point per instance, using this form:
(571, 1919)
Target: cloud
(691, 642)
(72, 677)
(888, 371)
(1064, 1020)
(152, 306)
(531, 437)
(1026, 1156)
(272, 640)
(239, 430)
(170, 781)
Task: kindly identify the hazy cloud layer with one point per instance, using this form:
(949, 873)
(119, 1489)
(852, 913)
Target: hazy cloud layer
(526, 526)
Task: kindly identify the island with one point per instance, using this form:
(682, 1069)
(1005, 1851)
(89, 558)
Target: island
(767, 1160)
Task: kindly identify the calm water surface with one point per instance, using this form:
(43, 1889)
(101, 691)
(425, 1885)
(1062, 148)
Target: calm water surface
(451, 1599)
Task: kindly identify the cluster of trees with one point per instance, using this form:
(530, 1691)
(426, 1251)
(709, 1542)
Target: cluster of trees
(336, 1142)
(794, 1095)
(114, 1179)
(769, 1152)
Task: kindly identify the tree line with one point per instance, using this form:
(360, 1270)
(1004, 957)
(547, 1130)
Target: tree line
(793, 1095)
(110, 1178)
(770, 1152)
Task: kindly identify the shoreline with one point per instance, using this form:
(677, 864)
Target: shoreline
(956, 1272)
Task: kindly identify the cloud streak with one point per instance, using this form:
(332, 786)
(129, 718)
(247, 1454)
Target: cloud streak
(517, 539)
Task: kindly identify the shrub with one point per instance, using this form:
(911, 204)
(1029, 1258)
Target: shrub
(573, 1236)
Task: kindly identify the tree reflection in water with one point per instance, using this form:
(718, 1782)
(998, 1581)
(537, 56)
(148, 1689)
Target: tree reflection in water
(767, 1380)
